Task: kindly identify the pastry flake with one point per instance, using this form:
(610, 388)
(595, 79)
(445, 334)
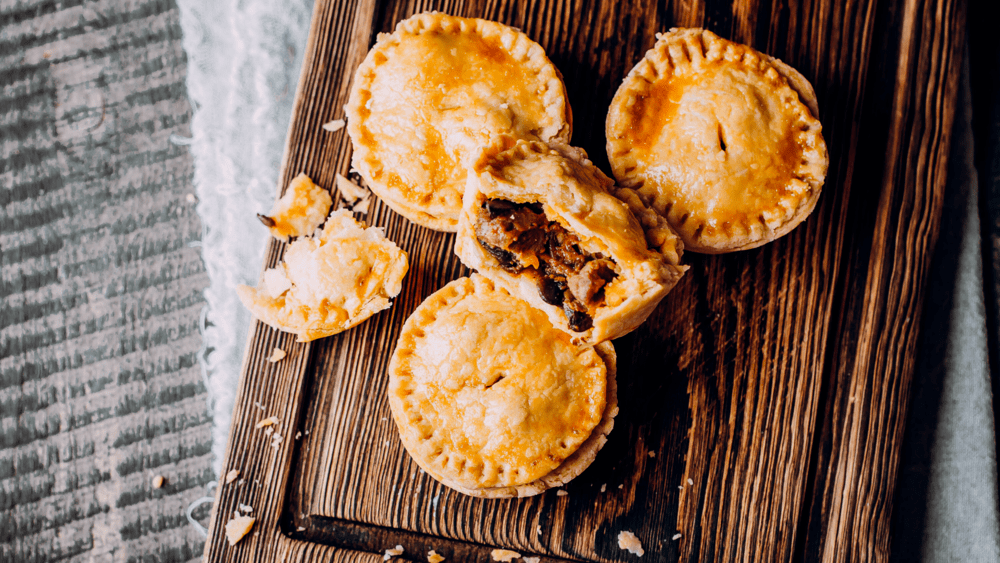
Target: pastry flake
(328, 284)
(540, 221)
(492, 400)
(298, 212)
(718, 138)
(430, 94)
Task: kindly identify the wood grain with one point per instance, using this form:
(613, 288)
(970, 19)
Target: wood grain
(770, 387)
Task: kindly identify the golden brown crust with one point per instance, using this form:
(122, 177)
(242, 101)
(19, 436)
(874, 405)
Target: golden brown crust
(435, 90)
(575, 194)
(491, 400)
(327, 285)
(719, 139)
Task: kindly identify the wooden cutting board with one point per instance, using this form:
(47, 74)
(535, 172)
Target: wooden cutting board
(762, 405)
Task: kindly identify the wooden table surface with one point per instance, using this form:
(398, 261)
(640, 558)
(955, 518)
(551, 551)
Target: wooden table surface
(771, 385)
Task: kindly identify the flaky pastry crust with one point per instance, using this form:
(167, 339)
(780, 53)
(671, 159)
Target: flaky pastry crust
(431, 93)
(493, 401)
(574, 193)
(718, 138)
(328, 284)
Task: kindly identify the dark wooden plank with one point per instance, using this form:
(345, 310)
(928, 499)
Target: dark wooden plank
(728, 383)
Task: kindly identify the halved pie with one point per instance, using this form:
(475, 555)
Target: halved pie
(539, 220)
(491, 399)
(718, 138)
(430, 94)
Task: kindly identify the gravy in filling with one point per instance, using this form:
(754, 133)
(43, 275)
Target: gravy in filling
(523, 240)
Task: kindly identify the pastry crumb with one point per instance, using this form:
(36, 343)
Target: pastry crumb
(362, 206)
(504, 555)
(532, 559)
(237, 528)
(627, 540)
(538, 530)
(350, 191)
(677, 536)
(299, 211)
(390, 553)
(300, 529)
(246, 508)
(604, 487)
(561, 493)
(298, 435)
(690, 481)
(334, 126)
(232, 475)
(621, 486)
(277, 355)
(433, 557)
(158, 481)
(267, 422)
(652, 454)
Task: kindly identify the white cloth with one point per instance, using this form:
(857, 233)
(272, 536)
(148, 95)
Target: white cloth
(244, 59)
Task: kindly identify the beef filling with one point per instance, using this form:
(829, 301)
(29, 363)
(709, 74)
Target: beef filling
(522, 239)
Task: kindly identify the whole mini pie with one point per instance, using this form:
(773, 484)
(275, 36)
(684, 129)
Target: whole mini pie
(492, 400)
(539, 221)
(431, 93)
(720, 139)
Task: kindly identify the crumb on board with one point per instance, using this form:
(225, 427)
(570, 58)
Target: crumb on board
(334, 126)
(604, 487)
(350, 191)
(232, 475)
(298, 435)
(627, 540)
(268, 431)
(532, 559)
(158, 481)
(390, 553)
(362, 206)
(504, 555)
(538, 530)
(237, 528)
(267, 422)
(300, 529)
(690, 481)
(621, 486)
(276, 355)
(561, 493)
(652, 454)
(677, 536)
(433, 557)
(246, 508)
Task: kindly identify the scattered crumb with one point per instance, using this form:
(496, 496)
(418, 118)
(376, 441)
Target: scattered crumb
(190, 198)
(681, 487)
(268, 431)
(267, 422)
(627, 540)
(677, 536)
(237, 528)
(246, 508)
(158, 481)
(232, 475)
(362, 206)
(390, 553)
(258, 405)
(690, 481)
(538, 530)
(277, 355)
(504, 555)
(604, 487)
(621, 486)
(561, 493)
(350, 191)
(303, 207)
(434, 557)
(652, 454)
(334, 126)
(300, 529)
(298, 435)
(532, 559)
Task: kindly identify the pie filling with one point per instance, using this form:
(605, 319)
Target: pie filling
(523, 240)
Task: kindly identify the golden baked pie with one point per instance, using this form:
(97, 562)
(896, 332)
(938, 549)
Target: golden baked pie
(720, 139)
(298, 212)
(431, 93)
(328, 284)
(539, 221)
(492, 400)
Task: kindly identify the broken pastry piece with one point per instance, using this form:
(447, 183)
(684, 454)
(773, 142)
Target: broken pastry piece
(300, 211)
(328, 284)
(428, 95)
(491, 399)
(541, 223)
(721, 140)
